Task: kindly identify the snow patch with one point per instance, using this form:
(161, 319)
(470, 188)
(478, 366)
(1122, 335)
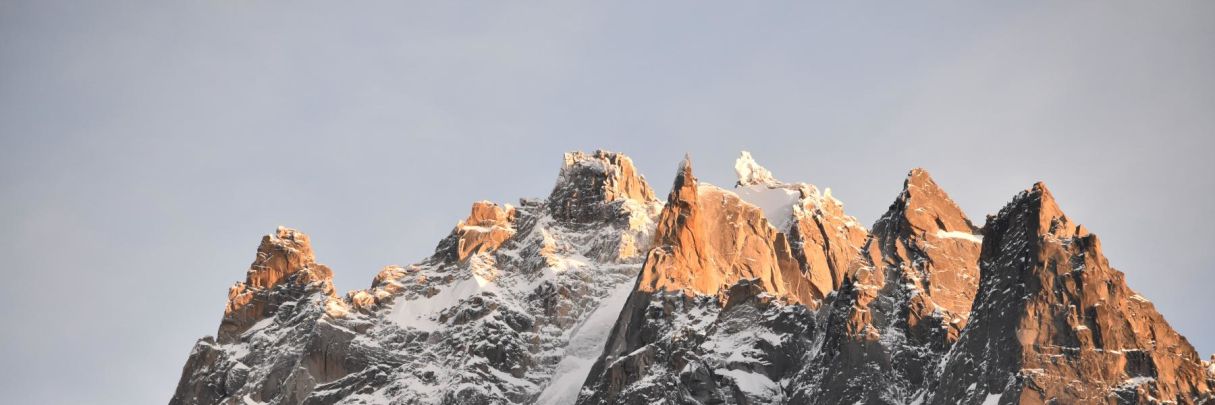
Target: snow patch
(777, 203)
(751, 173)
(754, 384)
(422, 313)
(585, 344)
(1133, 382)
(941, 233)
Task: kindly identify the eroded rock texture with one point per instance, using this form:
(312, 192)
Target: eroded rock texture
(723, 307)
(766, 293)
(1054, 323)
(512, 301)
(273, 341)
(902, 308)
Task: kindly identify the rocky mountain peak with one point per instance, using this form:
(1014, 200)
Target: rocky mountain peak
(680, 220)
(903, 306)
(488, 225)
(279, 255)
(763, 293)
(1034, 212)
(589, 182)
(709, 238)
(924, 224)
(284, 267)
(729, 268)
(924, 208)
(1054, 322)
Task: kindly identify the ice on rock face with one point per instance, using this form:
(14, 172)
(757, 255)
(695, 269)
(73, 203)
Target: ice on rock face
(601, 294)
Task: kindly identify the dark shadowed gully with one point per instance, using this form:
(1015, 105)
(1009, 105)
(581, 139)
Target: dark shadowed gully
(766, 293)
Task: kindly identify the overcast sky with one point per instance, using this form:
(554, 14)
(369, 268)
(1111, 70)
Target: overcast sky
(146, 148)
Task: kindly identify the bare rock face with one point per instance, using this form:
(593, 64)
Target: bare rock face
(766, 293)
(512, 302)
(903, 307)
(825, 242)
(272, 322)
(486, 228)
(823, 239)
(590, 183)
(1053, 323)
(284, 258)
(722, 308)
(709, 239)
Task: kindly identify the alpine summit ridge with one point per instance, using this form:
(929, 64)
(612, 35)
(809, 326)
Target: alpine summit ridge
(766, 292)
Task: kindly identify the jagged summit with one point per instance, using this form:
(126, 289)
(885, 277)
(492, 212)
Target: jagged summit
(720, 276)
(590, 182)
(704, 247)
(1053, 322)
(904, 305)
(766, 292)
(924, 206)
(286, 296)
(513, 299)
(284, 269)
(487, 227)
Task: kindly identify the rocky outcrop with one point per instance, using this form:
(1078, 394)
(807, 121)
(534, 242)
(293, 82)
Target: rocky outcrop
(589, 184)
(722, 307)
(511, 299)
(284, 270)
(709, 239)
(267, 346)
(486, 228)
(902, 308)
(1053, 323)
(766, 293)
(825, 242)
(823, 239)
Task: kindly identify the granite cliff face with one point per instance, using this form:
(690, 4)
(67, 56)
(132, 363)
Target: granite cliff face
(272, 341)
(723, 308)
(902, 307)
(513, 301)
(764, 293)
(1054, 323)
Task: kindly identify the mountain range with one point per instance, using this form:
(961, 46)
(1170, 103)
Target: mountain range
(765, 292)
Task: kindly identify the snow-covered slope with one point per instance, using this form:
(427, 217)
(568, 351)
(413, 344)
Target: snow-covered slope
(513, 298)
(765, 293)
(724, 306)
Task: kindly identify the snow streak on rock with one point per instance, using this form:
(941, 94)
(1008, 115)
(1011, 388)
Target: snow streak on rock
(1053, 322)
(766, 293)
(902, 307)
(718, 314)
(514, 297)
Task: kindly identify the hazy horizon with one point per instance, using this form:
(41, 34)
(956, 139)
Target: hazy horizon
(146, 147)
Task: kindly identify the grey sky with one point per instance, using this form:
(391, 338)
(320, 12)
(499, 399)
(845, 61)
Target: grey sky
(146, 147)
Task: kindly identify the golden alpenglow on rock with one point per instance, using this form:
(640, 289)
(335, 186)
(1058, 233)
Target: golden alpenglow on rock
(763, 293)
